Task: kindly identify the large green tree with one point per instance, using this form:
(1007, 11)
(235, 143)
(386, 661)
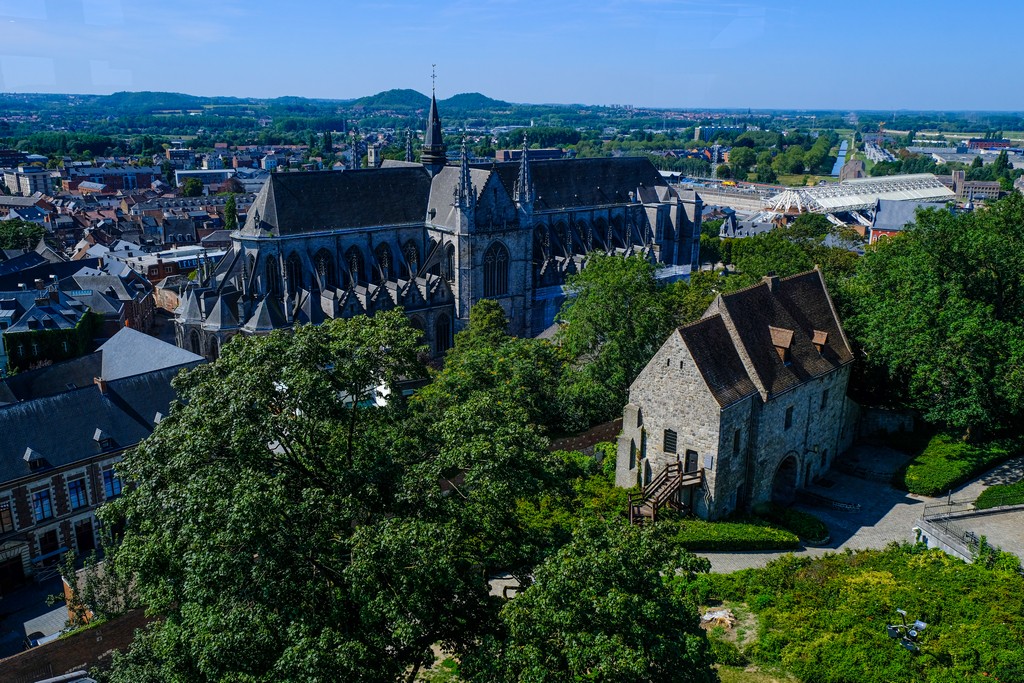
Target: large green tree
(602, 609)
(940, 309)
(283, 529)
(614, 320)
(20, 234)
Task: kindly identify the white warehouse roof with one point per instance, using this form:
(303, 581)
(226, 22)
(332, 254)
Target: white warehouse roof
(861, 193)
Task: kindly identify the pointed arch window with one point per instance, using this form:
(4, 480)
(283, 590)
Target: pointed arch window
(442, 333)
(496, 270)
(294, 272)
(273, 275)
(412, 258)
(356, 271)
(449, 263)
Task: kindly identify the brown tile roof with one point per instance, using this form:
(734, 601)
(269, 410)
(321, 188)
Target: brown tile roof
(793, 310)
(712, 350)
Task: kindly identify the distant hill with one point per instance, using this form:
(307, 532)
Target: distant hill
(471, 101)
(150, 101)
(394, 99)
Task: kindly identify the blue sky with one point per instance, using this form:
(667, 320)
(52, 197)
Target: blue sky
(854, 54)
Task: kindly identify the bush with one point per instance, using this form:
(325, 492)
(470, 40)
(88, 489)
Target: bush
(1001, 494)
(809, 528)
(737, 534)
(948, 461)
(824, 618)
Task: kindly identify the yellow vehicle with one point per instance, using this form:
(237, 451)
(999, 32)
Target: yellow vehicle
(728, 183)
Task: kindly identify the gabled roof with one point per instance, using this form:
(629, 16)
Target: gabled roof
(294, 203)
(799, 305)
(130, 352)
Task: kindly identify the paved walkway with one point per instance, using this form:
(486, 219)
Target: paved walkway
(887, 514)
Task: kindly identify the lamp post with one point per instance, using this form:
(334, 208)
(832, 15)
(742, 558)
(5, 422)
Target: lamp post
(906, 634)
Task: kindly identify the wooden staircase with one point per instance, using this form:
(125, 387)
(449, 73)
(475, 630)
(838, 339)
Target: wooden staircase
(662, 491)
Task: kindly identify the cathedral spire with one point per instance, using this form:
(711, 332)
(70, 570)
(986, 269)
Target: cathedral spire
(465, 194)
(434, 152)
(408, 145)
(524, 182)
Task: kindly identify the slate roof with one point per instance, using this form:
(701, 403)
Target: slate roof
(61, 427)
(571, 183)
(712, 350)
(896, 215)
(294, 203)
(130, 352)
(442, 193)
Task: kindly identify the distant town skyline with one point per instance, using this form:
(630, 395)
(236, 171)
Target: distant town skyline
(762, 54)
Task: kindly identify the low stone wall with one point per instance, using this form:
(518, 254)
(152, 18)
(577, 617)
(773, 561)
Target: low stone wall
(587, 440)
(934, 536)
(83, 650)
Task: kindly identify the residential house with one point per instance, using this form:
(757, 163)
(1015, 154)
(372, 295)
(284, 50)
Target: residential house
(64, 428)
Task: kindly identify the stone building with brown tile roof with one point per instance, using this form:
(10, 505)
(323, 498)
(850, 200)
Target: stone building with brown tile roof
(742, 406)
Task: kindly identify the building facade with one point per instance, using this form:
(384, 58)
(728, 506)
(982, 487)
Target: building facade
(745, 405)
(435, 239)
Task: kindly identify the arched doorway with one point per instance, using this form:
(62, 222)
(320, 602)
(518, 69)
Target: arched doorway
(784, 483)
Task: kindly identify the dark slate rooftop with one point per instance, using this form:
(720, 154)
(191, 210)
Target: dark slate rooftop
(61, 428)
(712, 350)
(130, 352)
(569, 183)
(293, 203)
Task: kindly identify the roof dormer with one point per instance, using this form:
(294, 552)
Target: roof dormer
(819, 339)
(782, 340)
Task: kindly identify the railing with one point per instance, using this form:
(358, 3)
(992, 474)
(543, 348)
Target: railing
(660, 491)
(957, 507)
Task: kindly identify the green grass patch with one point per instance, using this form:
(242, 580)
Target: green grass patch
(948, 461)
(1001, 494)
(747, 533)
(809, 528)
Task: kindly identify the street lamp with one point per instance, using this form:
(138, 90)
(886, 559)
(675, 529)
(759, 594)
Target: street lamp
(905, 633)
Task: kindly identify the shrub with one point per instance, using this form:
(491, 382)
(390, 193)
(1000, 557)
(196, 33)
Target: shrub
(809, 528)
(1001, 494)
(736, 534)
(824, 618)
(948, 461)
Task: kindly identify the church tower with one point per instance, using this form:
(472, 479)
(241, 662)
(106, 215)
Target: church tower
(434, 153)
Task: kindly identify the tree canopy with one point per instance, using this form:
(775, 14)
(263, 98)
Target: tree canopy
(602, 609)
(939, 310)
(20, 234)
(614, 320)
(281, 528)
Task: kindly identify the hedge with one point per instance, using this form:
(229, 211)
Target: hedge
(737, 534)
(1001, 494)
(948, 461)
(809, 528)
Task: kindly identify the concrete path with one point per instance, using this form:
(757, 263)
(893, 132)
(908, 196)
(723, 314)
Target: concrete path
(887, 514)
